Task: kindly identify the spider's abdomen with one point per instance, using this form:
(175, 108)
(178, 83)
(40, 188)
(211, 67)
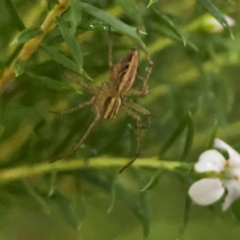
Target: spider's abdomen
(124, 72)
(110, 107)
(106, 103)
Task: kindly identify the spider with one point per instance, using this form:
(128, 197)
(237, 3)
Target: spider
(108, 98)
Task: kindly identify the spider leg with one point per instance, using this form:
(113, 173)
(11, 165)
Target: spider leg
(139, 109)
(74, 109)
(139, 125)
(110, 44)
(144, 91)
(140, 77)
(75, 78)
(93, 124)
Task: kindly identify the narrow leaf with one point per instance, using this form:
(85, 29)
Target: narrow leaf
(80, 208)
(40, 201)
(144, 204)
(128, 198)
(134, 205)
(214, 11)
(113, 197)
(154, 180)
(71, 42)
(151, 2)
(133, 139)
(92, 25)
(80, 203)
(114, 22)
(52, 187)
(173, 36)
(14, 15)
(235, 207)
(19, 67)
(189, 137)
(27, 35)
(51, 3)
(187, 208)
(64, 205)
(131, 10)
(181, 126)
(49, 82)
(2, 128)
(230, 93)
(169, 23)
(60, 58)
(213, 135)
(75, 13)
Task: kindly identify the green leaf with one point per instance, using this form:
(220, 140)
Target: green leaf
(181, 126)
(51, 3)
(187, 208)
(19, 67)
(27, 35)
(71, 42)
(131, 10)
(230, 93)
(169, 23)
(52, 187)
(61, 59)
(114, 22)
(133, 139)
(49, 82)
(64, 205)
(173, 36)
(189, 137)
(213, 135)
(144, 204)
(213, 10)
(2, 128)
(136, 208)
(113, 196)
(151, 2)
(80, 208)
(92, 25)
(80, 202)
(236, 209)
(40, 201)
(14, 15)
(75, 13)
(126, 196)
(154, 180)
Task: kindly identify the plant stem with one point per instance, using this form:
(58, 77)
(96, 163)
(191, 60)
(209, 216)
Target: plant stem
(12, 174)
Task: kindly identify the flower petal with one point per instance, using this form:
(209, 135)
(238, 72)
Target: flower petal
(233, 187)
(234, 156)
(210, 160)
(230, 21)
(206, 191)
(236, 171)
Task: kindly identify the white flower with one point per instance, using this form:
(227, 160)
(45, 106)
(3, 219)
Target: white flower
(209, 190)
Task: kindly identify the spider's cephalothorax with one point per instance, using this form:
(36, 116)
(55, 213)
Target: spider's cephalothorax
(108, 98)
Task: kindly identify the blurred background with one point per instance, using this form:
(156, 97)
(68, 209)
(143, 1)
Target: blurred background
(192, 97)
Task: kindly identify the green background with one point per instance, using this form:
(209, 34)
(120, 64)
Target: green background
(193, 88)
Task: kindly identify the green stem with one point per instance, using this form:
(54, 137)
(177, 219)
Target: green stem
(12, 174)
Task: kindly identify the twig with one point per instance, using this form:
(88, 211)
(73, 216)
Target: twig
(30, 47)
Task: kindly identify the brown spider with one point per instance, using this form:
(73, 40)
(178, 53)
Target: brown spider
(108, 98)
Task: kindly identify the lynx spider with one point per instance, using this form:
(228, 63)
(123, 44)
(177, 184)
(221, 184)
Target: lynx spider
(108, 98)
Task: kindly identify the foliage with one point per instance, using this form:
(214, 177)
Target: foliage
(193, 98)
